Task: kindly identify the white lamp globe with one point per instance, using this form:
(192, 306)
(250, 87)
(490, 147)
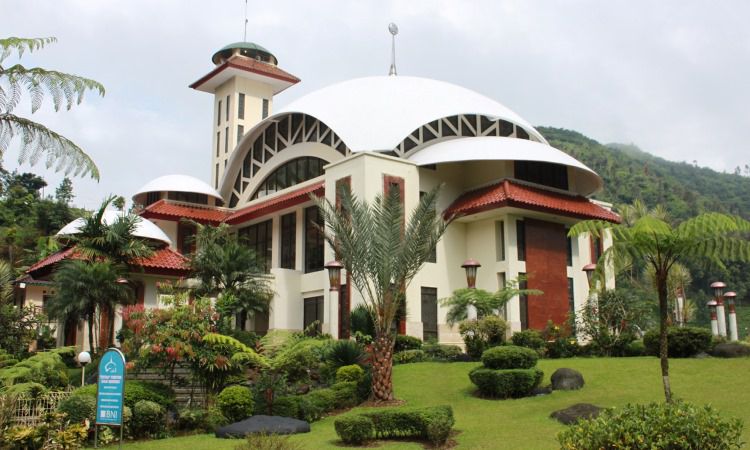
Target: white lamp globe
(84, 358)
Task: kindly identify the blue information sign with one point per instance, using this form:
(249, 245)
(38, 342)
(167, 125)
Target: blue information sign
(110, 393)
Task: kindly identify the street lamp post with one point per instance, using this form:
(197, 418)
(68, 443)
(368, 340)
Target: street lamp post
(334, 281)
(733, 334)
(714, 322)
(471, 266)
(589, 269)
(718, 288)
(83, 359)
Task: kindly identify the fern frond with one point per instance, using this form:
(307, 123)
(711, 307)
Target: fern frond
(21, 45)
(63, 87)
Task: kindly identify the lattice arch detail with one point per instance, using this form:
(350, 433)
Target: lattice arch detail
(284, 132)
(463, 125)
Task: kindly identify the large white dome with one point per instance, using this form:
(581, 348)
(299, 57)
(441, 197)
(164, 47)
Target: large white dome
(144, 228)
(377, 113)
(178, 183)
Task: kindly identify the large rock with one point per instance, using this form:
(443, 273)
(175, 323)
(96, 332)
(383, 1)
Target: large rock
(565, 379)
(263, 424)
(579, 411)
(731, 350)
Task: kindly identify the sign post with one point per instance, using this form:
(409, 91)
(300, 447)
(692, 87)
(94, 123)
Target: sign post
(110, 392)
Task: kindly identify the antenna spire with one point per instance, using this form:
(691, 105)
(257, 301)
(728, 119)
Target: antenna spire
(393, 29)
(244, 36)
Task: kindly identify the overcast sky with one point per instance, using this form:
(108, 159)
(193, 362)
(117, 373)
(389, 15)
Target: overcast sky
(672, 77)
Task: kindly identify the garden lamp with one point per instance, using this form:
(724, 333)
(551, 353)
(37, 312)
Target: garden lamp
(730, 296)
(589, 269)
(334, 274)
(83, 359)
(718, 288)
(714, 322)
(471, 266)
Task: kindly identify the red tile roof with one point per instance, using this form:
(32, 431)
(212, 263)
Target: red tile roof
(163, 259)
(249, 65)
(287, 200)
(508, 193)
(165, 210)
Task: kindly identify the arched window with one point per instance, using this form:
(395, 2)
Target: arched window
(293, 172)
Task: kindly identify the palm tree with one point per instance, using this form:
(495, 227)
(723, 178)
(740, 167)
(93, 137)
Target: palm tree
(382, 253)
(646, 236)
(36, 139)
(487, 303)
(85, 288)
(231, 271)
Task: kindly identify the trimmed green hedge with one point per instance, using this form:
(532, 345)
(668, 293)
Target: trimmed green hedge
(682, 342)
(442, 351)
(510, 383)
(136, 391)
(316, 404)
(352, 372)
(409, 356)
(509, 357)
(405, 342)
(431, 423)
(235, 403)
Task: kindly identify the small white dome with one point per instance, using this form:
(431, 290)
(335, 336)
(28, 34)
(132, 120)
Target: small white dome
(377, 113)
(144, 228)
(178, 183)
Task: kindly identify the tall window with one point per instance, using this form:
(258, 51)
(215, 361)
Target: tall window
(523, 301)
(313, 311)
(258, 238)
(429, 314)
(596, 249)
(152, 197)
(186, 238)
(294, 172)
(569, 246)
(288, 240)
(500, 240)
(313, 240)
(216, 177)
(501, 280)
(544, 173)
(240, 132)
(571, 298)
(241, 106)
(226, 140)
(218, 143)
(265, 108)
(227, 106)
(521, 239)
(218, 114)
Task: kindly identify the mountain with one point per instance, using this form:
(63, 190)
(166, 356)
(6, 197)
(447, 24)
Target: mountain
(629, 173)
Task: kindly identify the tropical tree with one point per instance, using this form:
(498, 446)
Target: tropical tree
(230, 271)
(36, 139)
(646, 236)
(487, 303)
(382, 252)
(85, 289)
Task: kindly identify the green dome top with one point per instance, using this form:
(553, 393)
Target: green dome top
(248, 49)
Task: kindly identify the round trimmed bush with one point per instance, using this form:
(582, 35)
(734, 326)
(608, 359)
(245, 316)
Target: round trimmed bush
(235, 403)
(148, 418)
(529, 339)
(509, 357)
(510, 383)
(78, 408)
(354, 429)
(442, 351)
(351, 372)
(682, 342)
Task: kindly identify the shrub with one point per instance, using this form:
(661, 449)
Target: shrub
(405, 342)
(561, 347)
(361, 321)
(655, 427)
(28, 390)
(215, 419)
(297, 359)
(635, 348)
(431, 423)
(136, 391)
(322, 400)
(78, 408)
(510, 383)
(509, 357)
(194, 419)
(263, 441)
(148, 418)
(530, 339)
(47, 368)
(479, 335)
(287, 406)
(235, 403)
(351, 372)
(354, 429)
(682, 342)
(345, 353)
(408, 356)
(345, 394)
(442, 351)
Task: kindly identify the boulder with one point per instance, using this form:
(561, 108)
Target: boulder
(263, 424)
(731, 350)
(565, 379)
(579, 411)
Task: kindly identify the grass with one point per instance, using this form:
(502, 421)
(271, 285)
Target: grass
(525, 423)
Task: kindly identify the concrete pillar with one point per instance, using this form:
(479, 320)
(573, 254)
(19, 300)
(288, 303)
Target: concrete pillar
(733, 334)
(471, 312)
(721, 316)
(714, 320)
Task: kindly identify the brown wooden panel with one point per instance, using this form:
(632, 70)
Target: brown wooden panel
(546, 261)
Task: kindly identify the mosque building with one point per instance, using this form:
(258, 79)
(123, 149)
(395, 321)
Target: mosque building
(513, 196)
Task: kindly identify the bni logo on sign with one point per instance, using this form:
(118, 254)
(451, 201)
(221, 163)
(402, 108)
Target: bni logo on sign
(110, 393)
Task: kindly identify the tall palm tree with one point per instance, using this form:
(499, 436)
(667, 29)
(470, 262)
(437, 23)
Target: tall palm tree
(486, 303)
(382, 253)
(36, 139)
(646, 236)
(230, 270)
(85, 288)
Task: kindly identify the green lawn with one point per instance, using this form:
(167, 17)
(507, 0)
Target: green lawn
(524, 423)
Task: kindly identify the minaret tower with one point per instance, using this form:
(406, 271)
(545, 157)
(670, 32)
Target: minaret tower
(244, 81)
